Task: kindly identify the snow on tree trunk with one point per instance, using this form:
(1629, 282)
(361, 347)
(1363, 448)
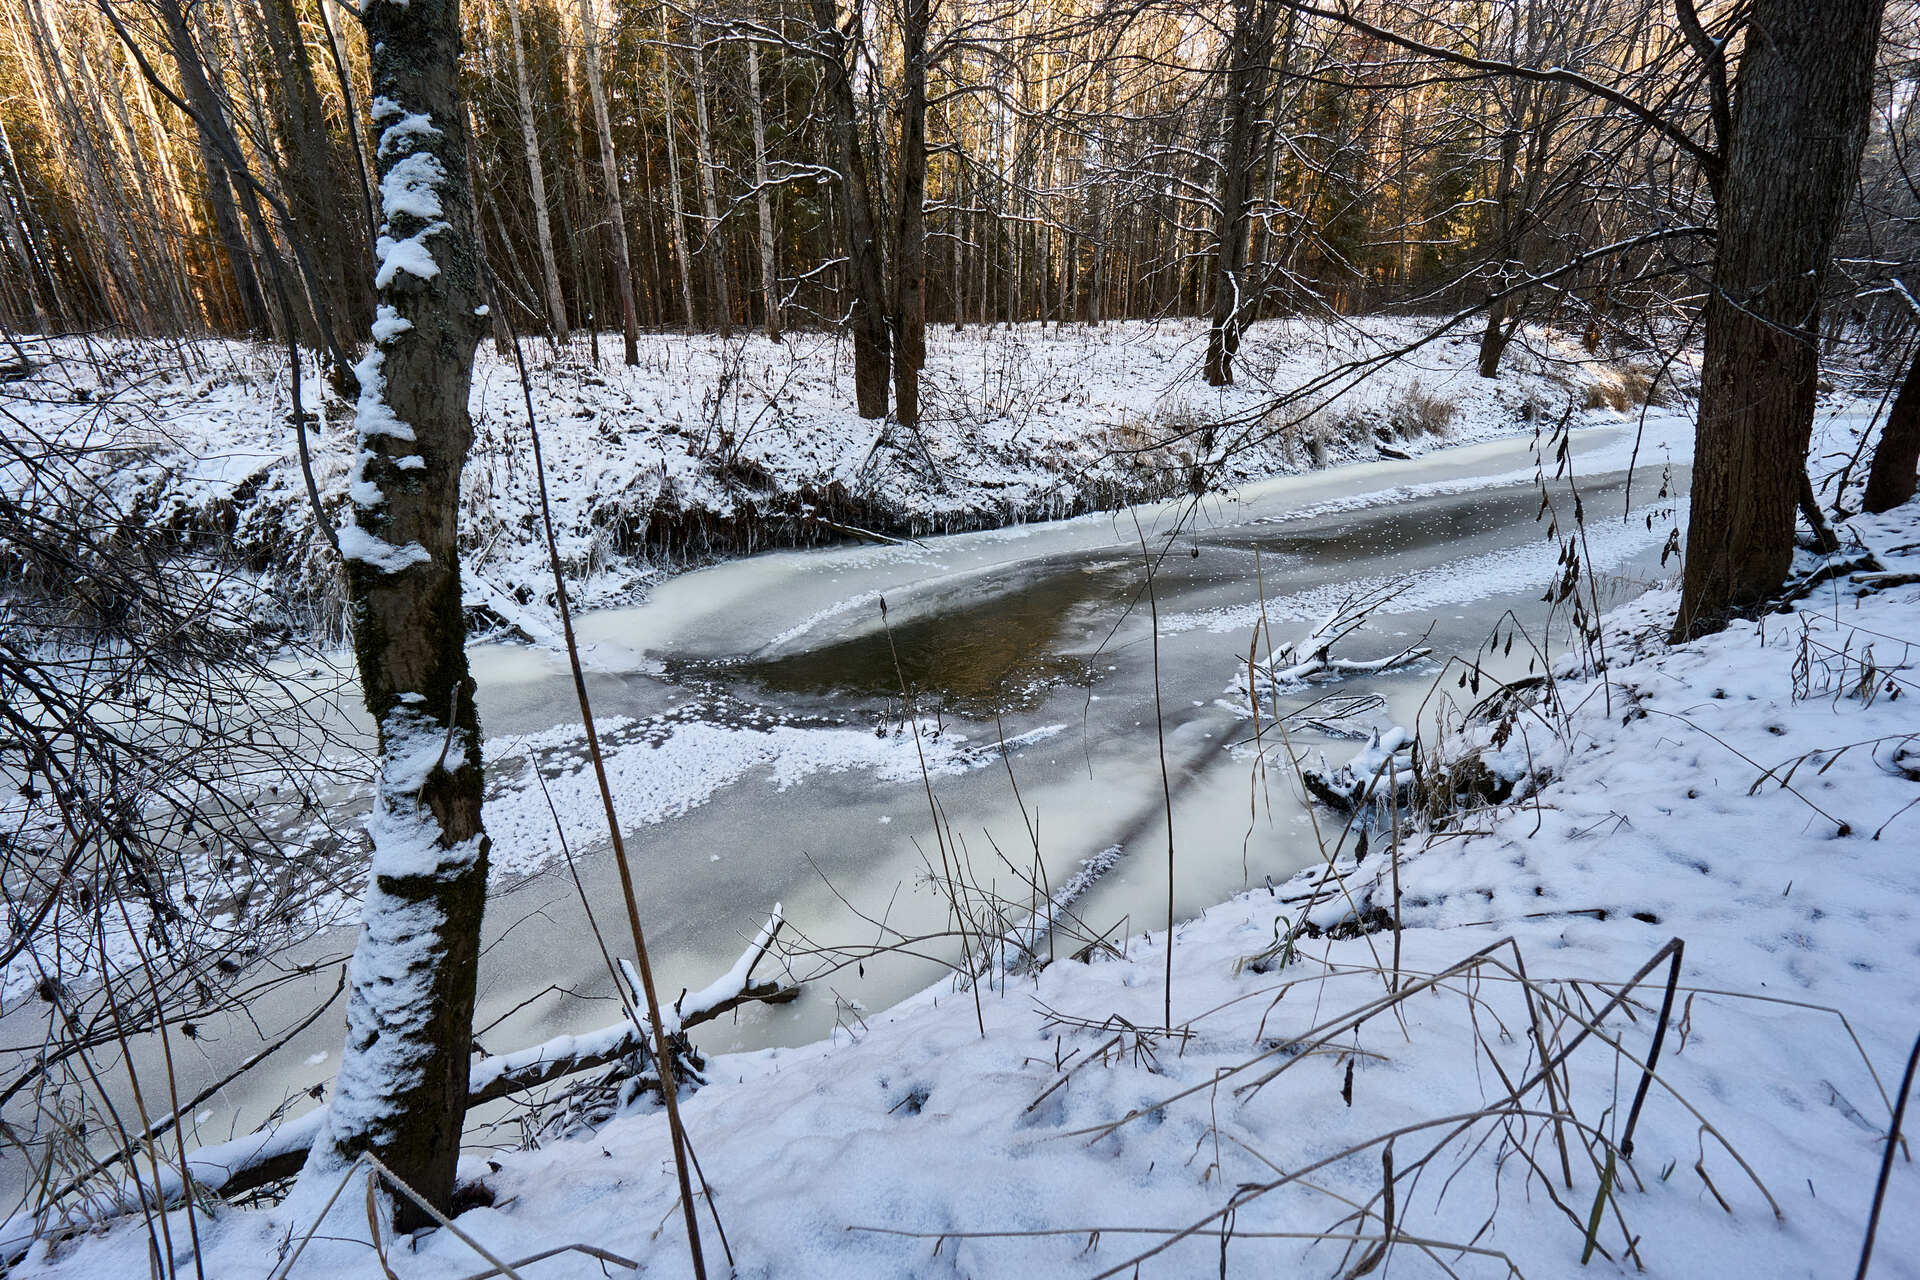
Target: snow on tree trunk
(401, 1092)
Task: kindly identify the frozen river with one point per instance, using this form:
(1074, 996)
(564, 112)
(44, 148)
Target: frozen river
(760, 753)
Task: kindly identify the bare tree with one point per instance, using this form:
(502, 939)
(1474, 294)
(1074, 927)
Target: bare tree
(910, 231)
(402, 1087)
(868, 314)
(1795, 123)
(763, 194)
(610, 178)
(537, 176)
(1249, 56)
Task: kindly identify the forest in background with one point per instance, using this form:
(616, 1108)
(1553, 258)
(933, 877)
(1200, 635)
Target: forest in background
(170, 164)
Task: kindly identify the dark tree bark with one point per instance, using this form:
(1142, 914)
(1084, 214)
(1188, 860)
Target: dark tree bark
(1890, 481)
(1249, 54)
(208, 124)
(868, 317)
(1804, 97)
(314, 180)
(402, 1088)
(910, 245)
(1500, 325)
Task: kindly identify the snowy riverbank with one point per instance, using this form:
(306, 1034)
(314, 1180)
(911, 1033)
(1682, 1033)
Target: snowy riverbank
(710, 449)
(1751, 795)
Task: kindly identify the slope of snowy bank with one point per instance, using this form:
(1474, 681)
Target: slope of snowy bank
(1752, 795)
(720, 448)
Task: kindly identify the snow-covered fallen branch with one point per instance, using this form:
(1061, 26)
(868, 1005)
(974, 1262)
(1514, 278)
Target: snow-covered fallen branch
(257, 1159)
(1311, 656)
(1385, 762)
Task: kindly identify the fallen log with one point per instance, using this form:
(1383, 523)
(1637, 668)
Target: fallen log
(261, 1158)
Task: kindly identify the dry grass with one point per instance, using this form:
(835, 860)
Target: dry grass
(1421, 412)
(1620, 389)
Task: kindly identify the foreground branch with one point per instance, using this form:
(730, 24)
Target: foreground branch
(259, 1159)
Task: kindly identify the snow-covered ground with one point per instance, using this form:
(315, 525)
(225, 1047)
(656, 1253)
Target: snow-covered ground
(710, 448)
(1369, 1025)
(1752, 795)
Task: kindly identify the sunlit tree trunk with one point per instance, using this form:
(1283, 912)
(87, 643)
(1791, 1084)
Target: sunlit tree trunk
(1804, 98)
(17, 234)
(212, 133)
(121, 296)
(537, 177)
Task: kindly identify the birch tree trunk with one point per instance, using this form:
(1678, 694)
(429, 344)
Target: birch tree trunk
(537, 176)
(1802, 108)
(586, 271)
(769, 275)
(910, 243)
(712, 245)
(610, 176)
(402, 1087)
(682, 263)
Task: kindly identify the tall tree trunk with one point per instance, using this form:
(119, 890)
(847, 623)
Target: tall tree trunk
(610, 176)
(349, 105)
(118, 279)
(763, 190)
(586, 272)
(1249, 52)
(712, 244)
(1494, 338)
(1804, 98)
(312, 181)
(17, 218)
(678, 210)
(402, 1087)
(1102, 216)
(182, 213)
(212, 132)
(869, 318)
(537, 176)
(910, 241)
(1890, 482)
